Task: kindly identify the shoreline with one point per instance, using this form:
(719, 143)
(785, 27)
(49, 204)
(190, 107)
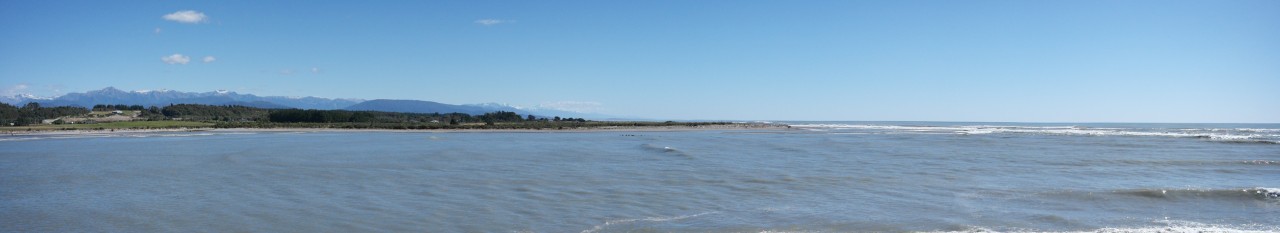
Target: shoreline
(729, 127)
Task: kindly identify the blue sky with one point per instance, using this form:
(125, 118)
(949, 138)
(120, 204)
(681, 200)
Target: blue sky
(1042, 61)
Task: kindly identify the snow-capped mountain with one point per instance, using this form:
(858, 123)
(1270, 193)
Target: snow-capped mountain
(21, 99)
(111, 95)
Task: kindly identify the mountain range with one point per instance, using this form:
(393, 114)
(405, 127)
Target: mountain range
(113, 96)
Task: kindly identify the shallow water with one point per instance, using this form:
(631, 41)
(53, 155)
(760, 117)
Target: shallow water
(815, 177)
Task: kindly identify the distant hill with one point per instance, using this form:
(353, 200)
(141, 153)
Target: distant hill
(419, 106)
(543, 112)
(20, 99)
(111, 95)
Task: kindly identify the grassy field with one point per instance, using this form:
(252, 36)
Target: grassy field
(113, 125)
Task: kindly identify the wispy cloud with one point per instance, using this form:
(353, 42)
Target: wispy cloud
(208, 59)
(176, 58)
(26, 89)
(491, 22)
(18, 89)
(187, 16)
(158, 30)
(315, 70)
(286, 72)
(56, 89)
(573, 106)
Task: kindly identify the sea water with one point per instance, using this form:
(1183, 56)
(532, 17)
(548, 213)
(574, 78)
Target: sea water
(812, 177)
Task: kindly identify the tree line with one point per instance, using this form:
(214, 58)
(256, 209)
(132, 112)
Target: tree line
(104, 107)
(33, 113)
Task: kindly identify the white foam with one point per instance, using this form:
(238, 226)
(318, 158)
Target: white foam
(1258, 130)
(1238, 135)
(1268, 192)
(647, 219)
(20, 138)
(977, 131)
(1262, 162)
(1163, 226)
(1189, 226)
(57, 136)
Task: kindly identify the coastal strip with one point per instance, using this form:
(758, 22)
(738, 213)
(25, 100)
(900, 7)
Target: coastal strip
(605, 128)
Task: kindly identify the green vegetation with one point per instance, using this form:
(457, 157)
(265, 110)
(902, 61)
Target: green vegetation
(200, 116)
(32, 113)
(108, 108)
(199, 112)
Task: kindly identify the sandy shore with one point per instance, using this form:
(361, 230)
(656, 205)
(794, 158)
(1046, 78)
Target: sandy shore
(590, 129)
(96, 132)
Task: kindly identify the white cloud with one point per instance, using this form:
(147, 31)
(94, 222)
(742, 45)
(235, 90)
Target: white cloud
(491, 22)
(56, 88)
(158, 30)
(573, 106)
(187, 16)
(315, 70)
(208, 59)
(28, 91)
(286, 72)
(176, 58)
(19, 89)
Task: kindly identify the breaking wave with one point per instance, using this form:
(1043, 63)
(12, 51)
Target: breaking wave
(1157, 226)
(606, 224)
(663, 149)
(1229, 135)
(1189, 226)
(1259, 193)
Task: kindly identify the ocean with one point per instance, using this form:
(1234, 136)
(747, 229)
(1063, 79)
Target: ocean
(812, 177)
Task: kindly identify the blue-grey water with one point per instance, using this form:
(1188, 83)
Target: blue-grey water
(813, 177)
